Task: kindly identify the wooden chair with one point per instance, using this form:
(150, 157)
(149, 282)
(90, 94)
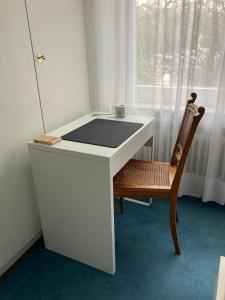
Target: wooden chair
(140, 178)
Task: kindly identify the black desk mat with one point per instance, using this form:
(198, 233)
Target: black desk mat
(101, 132)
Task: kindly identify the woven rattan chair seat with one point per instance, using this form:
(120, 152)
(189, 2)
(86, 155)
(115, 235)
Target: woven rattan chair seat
(143, 173)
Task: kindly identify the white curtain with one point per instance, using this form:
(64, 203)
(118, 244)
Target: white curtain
(150, 55)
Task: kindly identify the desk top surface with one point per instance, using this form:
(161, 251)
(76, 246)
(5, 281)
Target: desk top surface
(82, 149)
(101, 132)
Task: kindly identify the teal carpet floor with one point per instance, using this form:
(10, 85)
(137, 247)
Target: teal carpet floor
(146, 265)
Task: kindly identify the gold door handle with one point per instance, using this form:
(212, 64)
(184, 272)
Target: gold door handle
(40, 58)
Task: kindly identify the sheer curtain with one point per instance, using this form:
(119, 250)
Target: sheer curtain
(150, 55)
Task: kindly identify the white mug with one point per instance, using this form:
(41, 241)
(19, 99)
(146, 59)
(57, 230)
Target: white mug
(120, 111)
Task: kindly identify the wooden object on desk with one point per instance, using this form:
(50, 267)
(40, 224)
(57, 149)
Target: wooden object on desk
(47, 140)
(160, 179)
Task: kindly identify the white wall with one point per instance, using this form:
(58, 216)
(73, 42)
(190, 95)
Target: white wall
(20, 121)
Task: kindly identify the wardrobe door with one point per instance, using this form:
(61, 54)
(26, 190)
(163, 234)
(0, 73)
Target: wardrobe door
(20, 121)
(58, 36)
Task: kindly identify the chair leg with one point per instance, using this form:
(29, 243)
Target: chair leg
(177, 219)
(121, 205)
(173, 226)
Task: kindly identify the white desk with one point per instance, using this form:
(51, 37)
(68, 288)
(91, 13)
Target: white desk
(220, 289)
(74, 186)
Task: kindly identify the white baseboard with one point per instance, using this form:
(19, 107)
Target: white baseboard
(19, 254)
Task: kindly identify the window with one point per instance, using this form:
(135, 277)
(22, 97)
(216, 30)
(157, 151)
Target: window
(179, 40)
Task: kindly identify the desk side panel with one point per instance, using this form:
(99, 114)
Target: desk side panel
(76, 207)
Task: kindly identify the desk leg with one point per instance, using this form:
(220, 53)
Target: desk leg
(150, 144)
(149, 203)
(75, 199)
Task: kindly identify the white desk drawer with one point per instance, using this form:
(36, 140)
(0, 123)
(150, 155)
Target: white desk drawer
(131, 148)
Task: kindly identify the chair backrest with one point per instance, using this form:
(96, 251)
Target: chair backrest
(189, 124)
